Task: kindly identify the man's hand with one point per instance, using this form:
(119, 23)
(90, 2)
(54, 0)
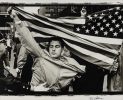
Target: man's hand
(17, 70)
(7, 68)
(11, 12)
(13, 15)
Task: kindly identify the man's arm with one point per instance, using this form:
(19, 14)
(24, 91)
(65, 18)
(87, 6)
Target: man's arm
(27, 39)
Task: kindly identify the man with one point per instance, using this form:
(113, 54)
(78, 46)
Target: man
(54, 80)
(9, 47)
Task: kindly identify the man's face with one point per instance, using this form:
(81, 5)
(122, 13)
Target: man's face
(55, 49)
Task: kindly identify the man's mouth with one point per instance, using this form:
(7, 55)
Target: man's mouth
(53, 53)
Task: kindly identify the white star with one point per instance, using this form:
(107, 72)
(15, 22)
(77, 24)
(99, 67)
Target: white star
(95, 15)
(96, 32)
(110, 9)
(102, 14)
(92, 27)
(78, 29)
(119, 17)
(115, 34)
(83, 26)
(104, 20)
(87, 31)
(107, 25)
(101, 28)
(116, 13)
(110, 16)
(113, 21)
(111, 29)
(98, 24)
(118, 8)
(89, 23)
(105, 33)
(117, 25)
(100, 17)
(94, 20)
(121, 30)
(90, 18)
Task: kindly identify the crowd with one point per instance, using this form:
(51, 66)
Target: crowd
(27, 65)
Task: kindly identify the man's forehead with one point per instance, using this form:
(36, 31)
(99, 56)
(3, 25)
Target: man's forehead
(55, 42)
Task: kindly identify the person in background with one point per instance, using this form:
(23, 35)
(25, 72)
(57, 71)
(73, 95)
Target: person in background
(24, 65)
(17, 46)
(9, 47)
(4, 61)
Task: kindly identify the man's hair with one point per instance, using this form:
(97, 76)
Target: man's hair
(56, 39)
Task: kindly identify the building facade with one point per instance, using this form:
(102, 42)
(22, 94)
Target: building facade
(5, 19)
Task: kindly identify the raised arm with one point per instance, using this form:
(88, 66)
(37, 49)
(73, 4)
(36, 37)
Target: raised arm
(26, 38)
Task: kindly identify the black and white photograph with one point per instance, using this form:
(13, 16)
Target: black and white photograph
(61, 49)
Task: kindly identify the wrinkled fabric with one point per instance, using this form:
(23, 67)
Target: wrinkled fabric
(57, 75)
(117, 79)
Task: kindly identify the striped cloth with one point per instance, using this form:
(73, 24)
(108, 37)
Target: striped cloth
(95, 49)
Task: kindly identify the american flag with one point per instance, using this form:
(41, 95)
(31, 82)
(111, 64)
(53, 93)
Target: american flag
(98, 41)
(104, 27)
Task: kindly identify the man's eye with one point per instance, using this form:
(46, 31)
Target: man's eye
(58, 46)
(51, 46)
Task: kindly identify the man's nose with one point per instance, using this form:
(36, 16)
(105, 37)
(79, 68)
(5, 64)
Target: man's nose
(53, 48)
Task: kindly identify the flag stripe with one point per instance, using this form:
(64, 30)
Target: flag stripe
(110, 46)
(55, 22)
(90, 58)
(93, 54)
(58, 22)
(102, 39)
(35, 34)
